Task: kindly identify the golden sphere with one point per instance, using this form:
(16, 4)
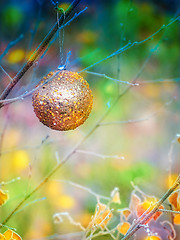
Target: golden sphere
(63, 100)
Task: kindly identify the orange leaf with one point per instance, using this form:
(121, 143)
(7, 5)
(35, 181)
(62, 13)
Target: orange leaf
(115, 196)
(2, 237)
(157, 214)
(11, 235)
(147, 206)
(153, 238)
(3, 197)
(177, 219)
(173, 199)
(126, 213)
(102, 215)
(135, 201)
(123, 227)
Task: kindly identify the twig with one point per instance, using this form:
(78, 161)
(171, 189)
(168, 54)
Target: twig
(112, 79)
(160, 80)
(57, 167)
(140, 222)
(100, 155)
(130, 45)
(39, 50)
(4, 71)
(92, 130)
(31, 203)
(10, 45)
(10, 181)
(98, 196)
(58, 218)
(169, 211)
(26, 94)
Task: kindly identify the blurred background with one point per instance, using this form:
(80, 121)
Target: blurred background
(136, 142)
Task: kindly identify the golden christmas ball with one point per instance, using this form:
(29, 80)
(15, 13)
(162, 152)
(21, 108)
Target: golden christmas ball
(62, 100)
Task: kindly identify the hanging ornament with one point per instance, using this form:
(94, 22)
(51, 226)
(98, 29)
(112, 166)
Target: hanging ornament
(63, 100)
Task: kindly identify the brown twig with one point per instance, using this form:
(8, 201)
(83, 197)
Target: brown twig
(138, 224)
(38, 51)
(59, 165)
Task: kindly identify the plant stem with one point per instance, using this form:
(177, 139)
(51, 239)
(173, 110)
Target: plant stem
(38, 51)
(77, 145)
(143, 221)
(63, 161)
(58, 166)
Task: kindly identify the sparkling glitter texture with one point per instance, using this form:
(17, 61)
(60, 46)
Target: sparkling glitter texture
(64, 102)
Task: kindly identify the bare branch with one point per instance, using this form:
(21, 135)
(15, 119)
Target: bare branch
(141, 221)
(39, 50)
(92, 130)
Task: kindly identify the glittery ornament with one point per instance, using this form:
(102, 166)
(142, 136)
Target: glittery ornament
(63, 100)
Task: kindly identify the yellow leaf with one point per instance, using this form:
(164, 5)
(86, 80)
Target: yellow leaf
(177, 219)
(102, 215)
(173, 200)
(3, 197)
(115, 196)
(126, 213)
(147, 205)
(153, 238)
(11, 235)
(2, 237)
(170, 180)
(123, 227)
(178, 138)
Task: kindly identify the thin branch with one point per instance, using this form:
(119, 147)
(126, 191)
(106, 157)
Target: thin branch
(58, 218)
(57, 167)
(31, 203)
(130, 45)
(26, 93)
(4, 71)
(99, 234)
(10, 181)
(10, 45)
(98, 196)
(155, 209)
(36, 146)
(169, 211)
(100, 155)
(160, 80)
(39, 50)
(92, 130)
(112, 79)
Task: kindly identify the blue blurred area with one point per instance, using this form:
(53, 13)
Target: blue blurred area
(18, 15)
